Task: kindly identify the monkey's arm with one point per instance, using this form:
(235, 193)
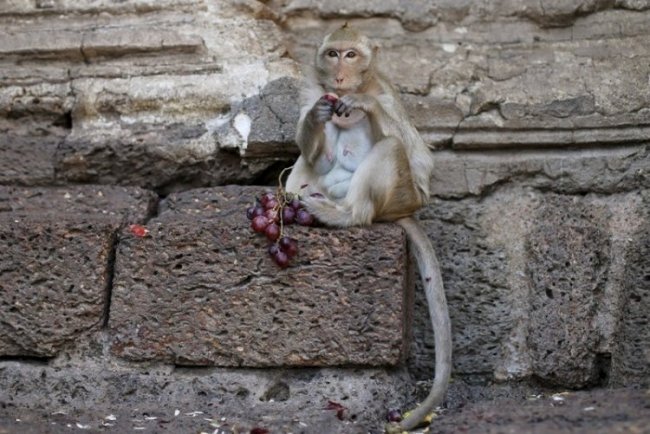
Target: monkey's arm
(310, 133)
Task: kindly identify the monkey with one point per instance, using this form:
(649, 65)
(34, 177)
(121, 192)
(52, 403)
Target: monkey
(363, 161)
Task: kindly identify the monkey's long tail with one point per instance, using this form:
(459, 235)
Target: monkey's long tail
(432, 280)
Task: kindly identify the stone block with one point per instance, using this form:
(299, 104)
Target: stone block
(568, 255)
(36, 95)
(94, 7)
(478, 294)
(54, 284)
(202, 290)
(631, 358)
(27, 159)
(263, 125)
(56, 261)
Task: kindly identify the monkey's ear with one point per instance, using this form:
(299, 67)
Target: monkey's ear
(375, 50)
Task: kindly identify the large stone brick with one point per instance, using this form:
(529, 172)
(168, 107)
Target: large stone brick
(200, 289)
(54, 280)
(568, 253)
(56, 258)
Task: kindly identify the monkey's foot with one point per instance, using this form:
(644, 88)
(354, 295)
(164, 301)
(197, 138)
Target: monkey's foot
(394, 428)
(332, 213)
(399, 428)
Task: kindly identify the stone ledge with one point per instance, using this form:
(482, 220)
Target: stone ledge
(115, 42)
(280, 400)
(202, 291)
(58, 7)
(123, 204)
(486, 139)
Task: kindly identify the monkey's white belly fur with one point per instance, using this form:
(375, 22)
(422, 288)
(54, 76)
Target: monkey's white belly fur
(348, 141)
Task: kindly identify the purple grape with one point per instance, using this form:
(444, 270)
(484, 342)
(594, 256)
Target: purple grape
(259, 224)
(272, 232)
(273, 249)
(304, 218)
(289, 246)
(266, 197)
(254, 211)
(296, 204)
(272, 204)
(273, 215)
(288, 215)
(281, 258)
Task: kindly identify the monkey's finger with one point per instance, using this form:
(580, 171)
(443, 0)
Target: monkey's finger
(324, 114)
(340, 108)
(337, 106)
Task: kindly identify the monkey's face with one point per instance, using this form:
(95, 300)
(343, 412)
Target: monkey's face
(341, 67)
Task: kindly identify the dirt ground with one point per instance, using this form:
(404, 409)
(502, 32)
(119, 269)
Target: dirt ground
(600, 411)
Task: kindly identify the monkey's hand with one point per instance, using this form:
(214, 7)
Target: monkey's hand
(323, 110)
(361, 101)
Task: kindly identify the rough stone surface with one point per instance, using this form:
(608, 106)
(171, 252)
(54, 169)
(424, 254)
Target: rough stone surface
(203, 291)
(54, 282)
(473, 76)
(142, 156)
(163, 399)
(602, 171)
(265, 122)
(566, 412)
(57, 248)
(38, 398)
(569, 236)
(631, 361)
(474, 275)
(544, 294)
(27, 160)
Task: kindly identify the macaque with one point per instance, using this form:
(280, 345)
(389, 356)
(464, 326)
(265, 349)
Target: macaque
(363, 161)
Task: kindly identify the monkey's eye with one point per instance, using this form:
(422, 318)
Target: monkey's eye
(332, 53)
(351, 54)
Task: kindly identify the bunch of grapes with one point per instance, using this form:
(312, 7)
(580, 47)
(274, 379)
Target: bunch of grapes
(269, 216)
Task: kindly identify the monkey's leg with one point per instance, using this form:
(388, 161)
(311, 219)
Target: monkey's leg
(302, 180)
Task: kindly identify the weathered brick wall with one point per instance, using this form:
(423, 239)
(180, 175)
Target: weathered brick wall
(538, 115)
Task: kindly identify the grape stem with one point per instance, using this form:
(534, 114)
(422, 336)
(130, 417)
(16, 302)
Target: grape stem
(282, 195)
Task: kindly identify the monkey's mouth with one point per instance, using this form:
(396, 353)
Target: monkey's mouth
(342, 88)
